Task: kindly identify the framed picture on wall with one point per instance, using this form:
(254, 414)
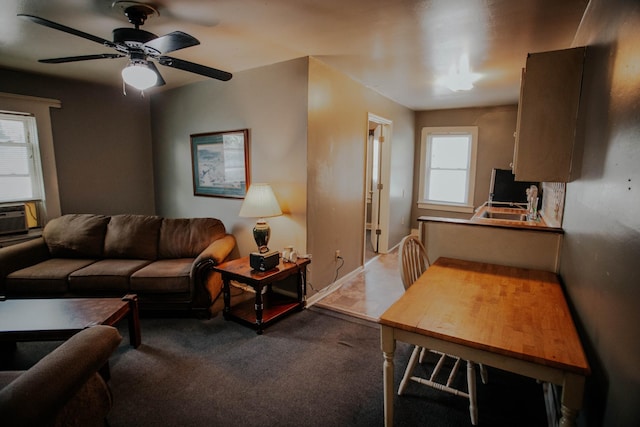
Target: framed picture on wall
(220, 163)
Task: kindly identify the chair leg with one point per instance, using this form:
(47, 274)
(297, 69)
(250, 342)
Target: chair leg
(410, 366)
(422, 354)
(471, 385)
(484, 375)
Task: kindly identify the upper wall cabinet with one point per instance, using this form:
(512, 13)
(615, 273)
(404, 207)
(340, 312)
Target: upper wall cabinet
(547, 115)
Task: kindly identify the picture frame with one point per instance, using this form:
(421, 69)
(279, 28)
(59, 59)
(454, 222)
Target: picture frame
(220, 163)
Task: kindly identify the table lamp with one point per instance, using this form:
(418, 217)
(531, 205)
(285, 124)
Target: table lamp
(261, 203)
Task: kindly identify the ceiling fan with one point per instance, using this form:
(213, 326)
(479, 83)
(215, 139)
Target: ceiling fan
(140, 46)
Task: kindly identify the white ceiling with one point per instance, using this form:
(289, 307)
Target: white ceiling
(396, 47)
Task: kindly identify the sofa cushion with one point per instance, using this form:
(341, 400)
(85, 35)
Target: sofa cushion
(105, 275)
(163, 276)
(187, 237)
(132, 236)
(46, 278)
(76, 235)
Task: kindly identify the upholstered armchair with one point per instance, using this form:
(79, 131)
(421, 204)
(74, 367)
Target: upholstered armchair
(65, 388)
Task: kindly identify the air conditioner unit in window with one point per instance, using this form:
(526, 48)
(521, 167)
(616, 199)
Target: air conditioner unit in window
(13, 219)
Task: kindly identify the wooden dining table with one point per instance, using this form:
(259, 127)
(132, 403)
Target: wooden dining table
(511, 318)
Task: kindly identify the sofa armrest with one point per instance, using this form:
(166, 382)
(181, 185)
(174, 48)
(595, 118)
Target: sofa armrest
(218, 250)
(36, 396)
(21, 255)
(208, 283)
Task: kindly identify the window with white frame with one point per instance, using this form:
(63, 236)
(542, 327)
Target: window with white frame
(448, 168)
(20, 167)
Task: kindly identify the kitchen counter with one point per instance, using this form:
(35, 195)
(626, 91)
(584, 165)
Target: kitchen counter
(498, 240)
(483, 217)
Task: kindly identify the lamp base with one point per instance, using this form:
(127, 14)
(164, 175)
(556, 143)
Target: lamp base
(261, 234)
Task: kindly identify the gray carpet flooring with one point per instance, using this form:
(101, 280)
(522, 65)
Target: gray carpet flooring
(312, 368)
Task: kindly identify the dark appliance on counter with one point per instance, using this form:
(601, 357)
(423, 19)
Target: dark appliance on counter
(504, 187)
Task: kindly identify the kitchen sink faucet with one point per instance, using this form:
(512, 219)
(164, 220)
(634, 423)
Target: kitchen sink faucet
(532, 203)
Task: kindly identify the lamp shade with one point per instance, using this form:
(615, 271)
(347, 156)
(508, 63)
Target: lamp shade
(260, 202)
(139, 76)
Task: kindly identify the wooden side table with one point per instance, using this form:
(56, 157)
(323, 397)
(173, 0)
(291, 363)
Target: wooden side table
(268, 306)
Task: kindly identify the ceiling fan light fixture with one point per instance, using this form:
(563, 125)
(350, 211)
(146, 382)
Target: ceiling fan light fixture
(139, 45)
(139, 76)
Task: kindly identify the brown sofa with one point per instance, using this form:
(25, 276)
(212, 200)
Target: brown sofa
(166, 262)
(65, 388)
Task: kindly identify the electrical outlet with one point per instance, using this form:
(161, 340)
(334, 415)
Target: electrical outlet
(337, 253)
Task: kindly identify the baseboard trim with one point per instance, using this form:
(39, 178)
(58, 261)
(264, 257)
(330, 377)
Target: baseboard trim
(349, 317)
(348, 313)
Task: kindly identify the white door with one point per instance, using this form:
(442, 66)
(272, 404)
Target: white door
(376, 186)
(376, 189)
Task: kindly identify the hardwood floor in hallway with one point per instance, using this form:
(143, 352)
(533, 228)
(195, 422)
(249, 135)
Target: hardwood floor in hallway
(370, 292)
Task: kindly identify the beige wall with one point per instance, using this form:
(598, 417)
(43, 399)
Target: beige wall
(338, 116)
(599, 261)
(269, 101)
(308, 127)
(496, 126)
(101, 141)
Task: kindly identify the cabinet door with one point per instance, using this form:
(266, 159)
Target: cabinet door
(547, 115)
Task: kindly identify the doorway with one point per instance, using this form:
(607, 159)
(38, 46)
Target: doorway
(376, 191)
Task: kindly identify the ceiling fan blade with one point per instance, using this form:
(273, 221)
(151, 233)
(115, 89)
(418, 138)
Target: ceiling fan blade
(153, 67)
(194, 68)
(66, 29)
(80, 58)
(173, 41)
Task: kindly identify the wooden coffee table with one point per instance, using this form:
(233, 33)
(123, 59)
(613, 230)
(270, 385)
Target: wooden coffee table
(59, 318)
